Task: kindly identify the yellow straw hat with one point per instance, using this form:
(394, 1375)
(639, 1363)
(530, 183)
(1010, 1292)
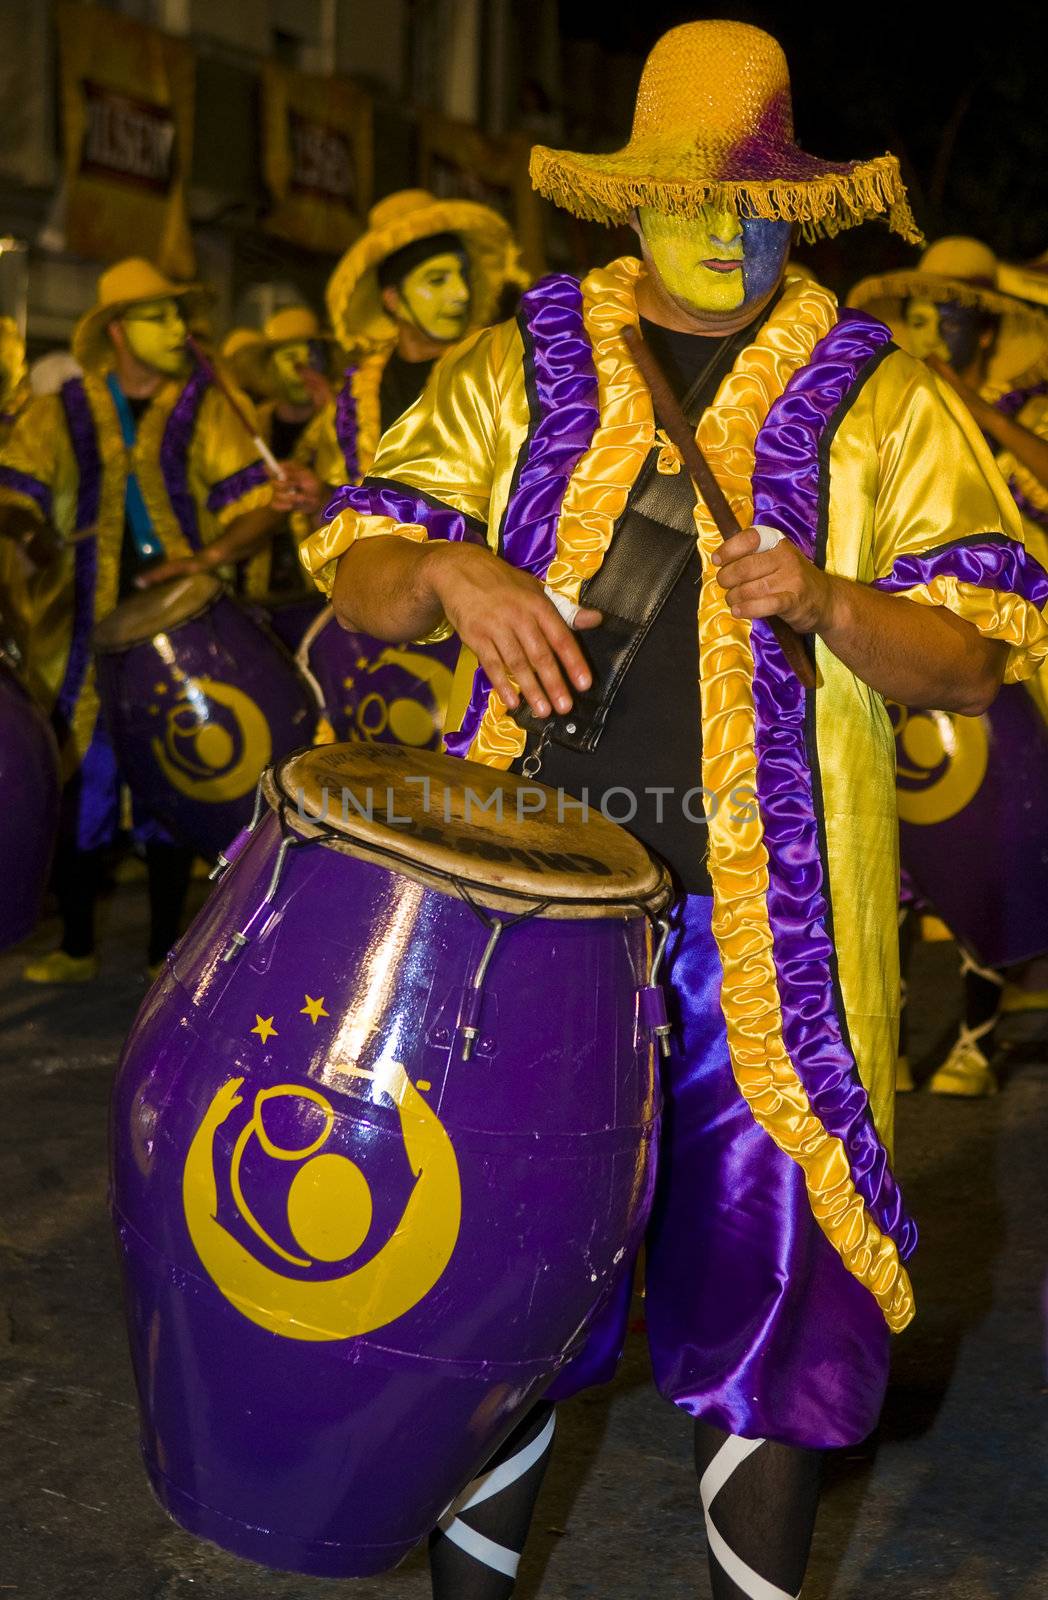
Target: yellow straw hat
(354, 296)
(714, 122)
(247, 354)
(1026, 282)
(962, 271)
(120, 286)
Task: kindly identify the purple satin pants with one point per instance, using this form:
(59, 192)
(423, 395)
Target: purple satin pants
(754, 1323)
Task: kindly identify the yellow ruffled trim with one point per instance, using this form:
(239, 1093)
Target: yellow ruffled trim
(594, 501)
(365, 386)
(821, 206)
(599, 488)
(997, 615)
(738, 858)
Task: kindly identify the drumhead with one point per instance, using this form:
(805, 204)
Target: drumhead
(467, 829)
(156, 610)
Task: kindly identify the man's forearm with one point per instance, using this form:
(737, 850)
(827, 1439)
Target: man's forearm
(382, 587)
(245, 535)
(921, 656)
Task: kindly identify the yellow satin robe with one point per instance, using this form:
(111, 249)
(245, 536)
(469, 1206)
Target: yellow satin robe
(908, 471)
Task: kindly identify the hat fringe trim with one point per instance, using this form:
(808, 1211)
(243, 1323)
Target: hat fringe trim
(821, 206)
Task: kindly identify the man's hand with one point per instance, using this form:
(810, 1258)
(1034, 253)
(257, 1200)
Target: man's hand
(516, 633)
(774, 583)
(299, 490)
(165, 571)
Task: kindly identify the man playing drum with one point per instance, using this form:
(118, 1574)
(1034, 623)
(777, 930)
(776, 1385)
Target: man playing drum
(139, 463)
(777, 1248)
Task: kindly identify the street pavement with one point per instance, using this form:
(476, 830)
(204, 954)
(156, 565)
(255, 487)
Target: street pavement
(947, 1500)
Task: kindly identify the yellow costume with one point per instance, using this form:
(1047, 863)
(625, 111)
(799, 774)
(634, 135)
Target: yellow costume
(344, 437)
(66, 463)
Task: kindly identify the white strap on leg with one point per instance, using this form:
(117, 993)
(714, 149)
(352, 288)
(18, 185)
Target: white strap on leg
(732, 1453)
(485, 1487)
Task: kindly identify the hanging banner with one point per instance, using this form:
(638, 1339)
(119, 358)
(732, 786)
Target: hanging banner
(316, 157)
(457, 160)
(127, 120)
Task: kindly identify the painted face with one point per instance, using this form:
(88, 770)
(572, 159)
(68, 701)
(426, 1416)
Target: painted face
(716, 262)
(287, 360)
(156, 335)
(435, 297)
(950, 331)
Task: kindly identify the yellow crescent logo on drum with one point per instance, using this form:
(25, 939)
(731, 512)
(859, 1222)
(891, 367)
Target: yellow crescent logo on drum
(408, 719)
(329, 1211)
(199, 756)
(941, 761)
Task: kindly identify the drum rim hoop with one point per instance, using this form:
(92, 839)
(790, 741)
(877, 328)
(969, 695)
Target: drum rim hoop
(311, 830)
(103, 649)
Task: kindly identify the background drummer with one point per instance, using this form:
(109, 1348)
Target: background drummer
(992, 350)
(289, 368)
(139, 462)
(425, 273)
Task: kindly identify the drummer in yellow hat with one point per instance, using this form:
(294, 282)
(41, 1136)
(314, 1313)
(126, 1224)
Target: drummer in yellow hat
(653, 686)
(135, 463)
(990, 345)
(290, 367)
(426, 271)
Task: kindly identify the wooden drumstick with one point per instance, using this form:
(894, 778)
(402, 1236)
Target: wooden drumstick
(272, 465)
(671, 419)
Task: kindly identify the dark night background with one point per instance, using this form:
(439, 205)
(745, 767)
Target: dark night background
(959, 95)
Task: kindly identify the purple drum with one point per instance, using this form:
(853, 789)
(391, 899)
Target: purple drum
(291, 616)
(30, 788)
(973, 822)
(383, 1141)
(199, 700)
(378, 692)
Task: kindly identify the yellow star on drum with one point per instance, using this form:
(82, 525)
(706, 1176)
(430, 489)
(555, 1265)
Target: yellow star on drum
(314, 1009)
(263, 1027)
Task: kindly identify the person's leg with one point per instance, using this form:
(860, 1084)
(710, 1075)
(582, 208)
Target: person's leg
(78, 879)
(967, 1071)
(759, 1499)
(170, 867)
(475, 1549)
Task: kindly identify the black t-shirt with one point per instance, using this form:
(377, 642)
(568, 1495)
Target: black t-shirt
(402, 383)
(284, 436)
(646, 771)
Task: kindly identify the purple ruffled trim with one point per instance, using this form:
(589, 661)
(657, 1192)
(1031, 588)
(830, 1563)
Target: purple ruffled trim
(346, 426)
(991, 561)
(1035, 513)
(174, 454)
(786, 495)
(84, 438)
(562, 389)
(1009, 405)
(381, 497)
(237, 484)
(25, 484)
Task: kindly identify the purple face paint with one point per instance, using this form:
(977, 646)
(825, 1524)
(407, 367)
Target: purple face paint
(764, 244)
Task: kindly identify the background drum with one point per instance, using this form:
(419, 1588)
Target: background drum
(973, 822)
(30, 788)
(382, 693)
(198, 699)
(351, 1256)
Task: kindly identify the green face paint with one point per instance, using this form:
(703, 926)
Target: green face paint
(287, 360)
(156, 335)
(435, 297)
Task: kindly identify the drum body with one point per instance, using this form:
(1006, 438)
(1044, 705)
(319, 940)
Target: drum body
(389, 694)
(352, 1258)
(290, 617)
(973, 822)
(198, 699)
(29, 795)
